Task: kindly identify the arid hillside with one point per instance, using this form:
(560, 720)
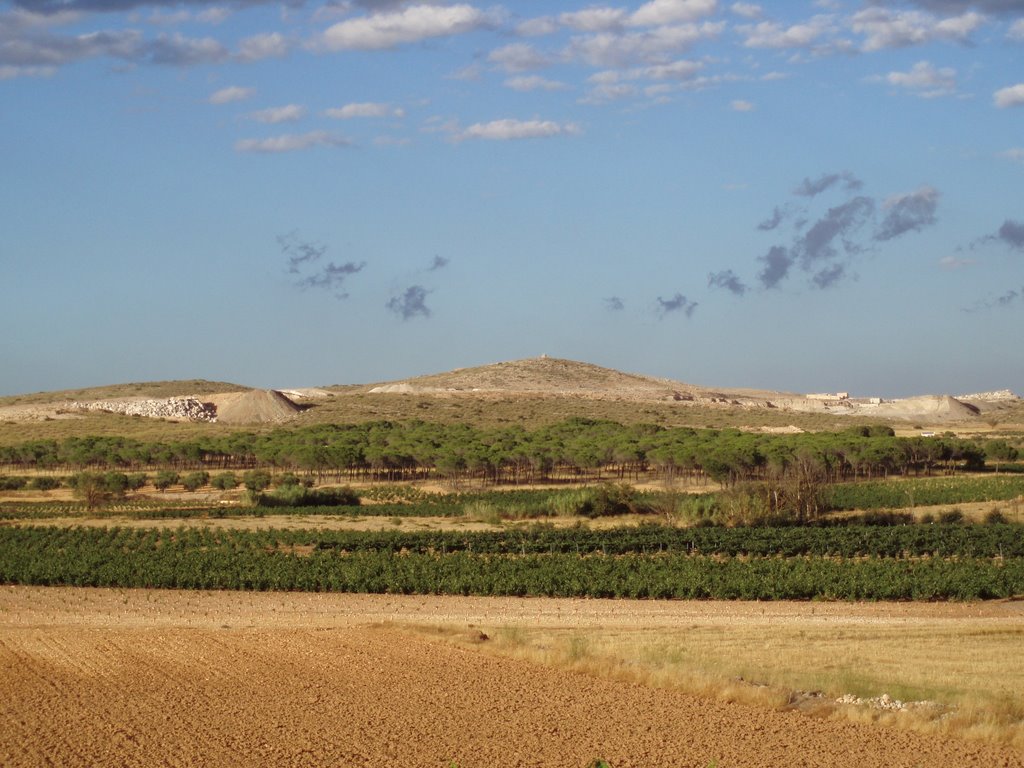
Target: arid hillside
(528, 392)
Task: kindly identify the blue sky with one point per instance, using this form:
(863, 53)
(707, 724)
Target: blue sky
(802, 196)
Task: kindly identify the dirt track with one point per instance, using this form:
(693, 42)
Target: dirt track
(137, 678)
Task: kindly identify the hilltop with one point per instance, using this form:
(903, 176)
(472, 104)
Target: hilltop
(567, 378)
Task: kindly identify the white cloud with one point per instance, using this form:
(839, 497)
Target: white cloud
(9, 72)
(1016, 31)
(286, 114)
(518, 57)
(602, 93)
(594, 19)
(1016, 154)
(409, 25)
(661, 12)
(885, 28)
(230, 94)
(214, 15)
(925, 80)
(1012, 96)
(534, 83)
(180, 51)
(538, 27)
(505, 130)
(950, 263)
(746, 10)
(739, 105)
(365, 109)
(469, 73)
(651, 46)
(161, 18)
(676, 70)
(682, 69)
(614, 84)
(770, 34)
(291, 142)
(272, 45)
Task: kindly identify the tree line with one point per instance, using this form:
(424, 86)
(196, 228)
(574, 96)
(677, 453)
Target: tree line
(577, 449)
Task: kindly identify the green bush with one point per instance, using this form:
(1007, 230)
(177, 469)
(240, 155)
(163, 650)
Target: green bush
(12, 483)
(137, 480)
(995, 517)
(44, 483)
(300, 496)
(256, 480)
(225, 481)
(195, 480)
(951, 516)
(165, 479)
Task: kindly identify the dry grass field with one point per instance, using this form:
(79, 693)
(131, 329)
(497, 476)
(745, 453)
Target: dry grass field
(137, 678)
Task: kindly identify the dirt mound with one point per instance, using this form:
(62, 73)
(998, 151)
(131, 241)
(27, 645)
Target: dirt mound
(941, 407)
(257, 406)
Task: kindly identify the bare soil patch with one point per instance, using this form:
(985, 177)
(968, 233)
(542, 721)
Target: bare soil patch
(137, 677)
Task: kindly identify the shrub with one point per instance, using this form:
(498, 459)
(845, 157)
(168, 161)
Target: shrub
(298, 496)
(165, 479)
(951, 516)
(291, 479)
(116, 482)
(44, 483)
(995, 516)
(96, 489)
(225, 481)
(888, 518)
(195, 480)
(256, 480)
(610, 500)
(12, 483)
(137, 481)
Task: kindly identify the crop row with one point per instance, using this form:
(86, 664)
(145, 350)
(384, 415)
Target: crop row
(997, 540)
(921, 492)
(117, 558)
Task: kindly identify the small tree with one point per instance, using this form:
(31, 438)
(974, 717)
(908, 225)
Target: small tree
(92, 488)
(165, 479)
(195, 480)
(225, 481)
(1000, 452)
(117, 483)
(256, 480)
(137, 481)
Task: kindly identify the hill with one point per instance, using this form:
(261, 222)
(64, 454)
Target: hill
(528, 393)
(540, 375)
(146, 389)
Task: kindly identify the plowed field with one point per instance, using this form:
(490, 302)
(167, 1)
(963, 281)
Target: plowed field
(137, 678)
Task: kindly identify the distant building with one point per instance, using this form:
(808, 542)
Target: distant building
(829, 396)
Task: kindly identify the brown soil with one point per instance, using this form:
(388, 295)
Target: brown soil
(140, 678)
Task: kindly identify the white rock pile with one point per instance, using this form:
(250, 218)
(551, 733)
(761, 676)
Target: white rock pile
(1000, 394)
(178, 408)
(885, 702)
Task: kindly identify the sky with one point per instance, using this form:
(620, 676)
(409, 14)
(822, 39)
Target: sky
(801, 196)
